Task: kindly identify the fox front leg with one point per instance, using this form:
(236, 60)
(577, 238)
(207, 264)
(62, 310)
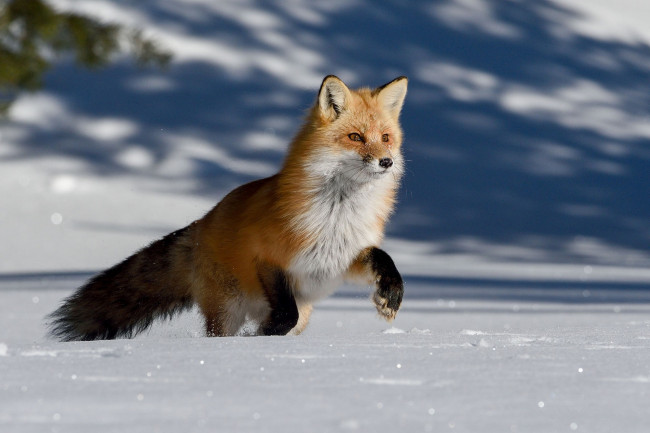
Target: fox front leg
(283, 315)
(377, 266)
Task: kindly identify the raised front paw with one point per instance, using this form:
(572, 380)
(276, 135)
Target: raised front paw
(388, 297)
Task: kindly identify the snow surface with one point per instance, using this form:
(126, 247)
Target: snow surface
(526, 126)
(522, 227)
(468, 358)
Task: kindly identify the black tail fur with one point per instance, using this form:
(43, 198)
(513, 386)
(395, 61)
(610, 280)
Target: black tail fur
(125, 299)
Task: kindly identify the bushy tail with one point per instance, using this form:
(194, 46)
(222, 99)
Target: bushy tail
(125, 299)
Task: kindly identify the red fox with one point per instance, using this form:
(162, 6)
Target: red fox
(272, 247)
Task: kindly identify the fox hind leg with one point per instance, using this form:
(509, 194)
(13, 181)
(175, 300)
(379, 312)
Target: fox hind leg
(222, 304)
(213, 325)
(225, 321)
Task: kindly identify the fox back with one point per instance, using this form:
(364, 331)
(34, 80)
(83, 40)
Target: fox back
(272, 247)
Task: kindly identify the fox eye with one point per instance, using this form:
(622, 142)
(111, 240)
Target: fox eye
(385, 138)
(355, 136)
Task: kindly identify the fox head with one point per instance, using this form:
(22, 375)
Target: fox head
(353, 135)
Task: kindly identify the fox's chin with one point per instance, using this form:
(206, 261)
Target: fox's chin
(372, 174)
(379, 174)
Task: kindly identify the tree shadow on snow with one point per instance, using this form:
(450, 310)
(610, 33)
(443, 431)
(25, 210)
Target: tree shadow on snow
(441, 294)
(519, 129)
(566, 292)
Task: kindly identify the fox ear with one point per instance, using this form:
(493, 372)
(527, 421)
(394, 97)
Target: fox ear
(391, 95)
(333, 97)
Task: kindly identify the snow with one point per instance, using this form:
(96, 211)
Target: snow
(521, 230)
(481, 365)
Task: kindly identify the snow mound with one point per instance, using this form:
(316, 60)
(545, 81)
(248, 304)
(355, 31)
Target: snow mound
(471, 332)
(394, 330)
(416, 331)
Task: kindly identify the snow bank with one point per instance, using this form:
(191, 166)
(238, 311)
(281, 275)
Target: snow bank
(525, 130)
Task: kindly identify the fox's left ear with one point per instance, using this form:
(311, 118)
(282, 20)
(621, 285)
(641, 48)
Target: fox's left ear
(391, 95)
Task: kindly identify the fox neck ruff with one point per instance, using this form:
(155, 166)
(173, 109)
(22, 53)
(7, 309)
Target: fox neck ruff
(346, 202)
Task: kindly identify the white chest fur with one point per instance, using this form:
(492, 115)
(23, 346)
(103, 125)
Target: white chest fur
(342, 219)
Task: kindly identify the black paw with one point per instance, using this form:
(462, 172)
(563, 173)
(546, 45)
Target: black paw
(280, 322)
(388, 296)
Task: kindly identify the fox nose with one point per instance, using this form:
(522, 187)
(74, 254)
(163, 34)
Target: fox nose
(385, 162)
